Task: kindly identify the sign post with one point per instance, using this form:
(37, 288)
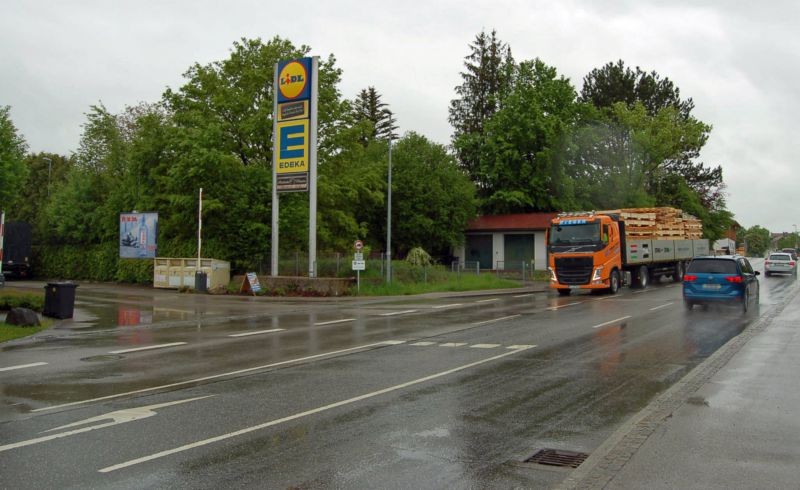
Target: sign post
(294, 145)
(358, 263)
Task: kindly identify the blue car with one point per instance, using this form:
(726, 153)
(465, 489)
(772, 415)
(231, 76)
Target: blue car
(720, 279)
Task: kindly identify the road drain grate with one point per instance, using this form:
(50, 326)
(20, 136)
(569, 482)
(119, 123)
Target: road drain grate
(558, 457)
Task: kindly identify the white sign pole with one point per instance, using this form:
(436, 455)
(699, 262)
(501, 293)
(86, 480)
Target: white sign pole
(312, 163)
(199, 229)
(274, 264)
(2, 238)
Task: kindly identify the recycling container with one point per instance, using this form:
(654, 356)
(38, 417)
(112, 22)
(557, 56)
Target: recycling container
(59, 299)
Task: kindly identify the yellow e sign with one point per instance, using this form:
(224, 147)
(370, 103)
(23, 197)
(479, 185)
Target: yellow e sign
(292, 146)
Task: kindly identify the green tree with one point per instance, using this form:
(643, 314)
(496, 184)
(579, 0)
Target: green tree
(756, 239)
(524, 155)
(432, 198)
(368, 106)
(13, 170)
(615, 83)
(487, 78)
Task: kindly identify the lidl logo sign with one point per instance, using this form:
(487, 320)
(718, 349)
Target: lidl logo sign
(293, 80)
(293, 146)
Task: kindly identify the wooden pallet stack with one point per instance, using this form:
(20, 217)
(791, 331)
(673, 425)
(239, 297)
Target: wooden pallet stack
(659, 223)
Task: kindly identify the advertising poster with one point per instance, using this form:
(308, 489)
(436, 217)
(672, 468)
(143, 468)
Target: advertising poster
(137, 235)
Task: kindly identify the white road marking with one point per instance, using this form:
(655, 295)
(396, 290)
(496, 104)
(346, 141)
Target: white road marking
(447, 306)
(612, 321)
(23, 366)
(643, 291)
(484, 346)
(496, 320)
(423, 344)
(247, 334)
(150, 347)
(217, 376)
(487, 300)
(662, 306)
(520, 347)
(118, 417)
(343, 320)
(554, 308)
(398, 313)
(314, 411)
(524, 295)
(453, 344)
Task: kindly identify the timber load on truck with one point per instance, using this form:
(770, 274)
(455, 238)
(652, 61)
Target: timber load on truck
(603, 250)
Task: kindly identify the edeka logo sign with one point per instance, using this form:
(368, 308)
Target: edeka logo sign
(294, 80)
(293, 146)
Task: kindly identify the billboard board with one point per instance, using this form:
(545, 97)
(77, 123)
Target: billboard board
(137, 235)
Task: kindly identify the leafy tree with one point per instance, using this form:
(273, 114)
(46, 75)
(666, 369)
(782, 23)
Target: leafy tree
(432, 199)
(788, 240)
(757, 240)
(46, 174)
(615, 83)
(13, 170)
(489, 69)
(369, 107)
(524, 155)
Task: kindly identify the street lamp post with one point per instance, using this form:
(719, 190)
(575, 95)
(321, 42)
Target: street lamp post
(389, 221)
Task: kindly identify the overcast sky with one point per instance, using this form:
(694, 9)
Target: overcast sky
(737, 60)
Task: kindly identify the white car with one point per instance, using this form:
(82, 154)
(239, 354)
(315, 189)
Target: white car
(780, 263)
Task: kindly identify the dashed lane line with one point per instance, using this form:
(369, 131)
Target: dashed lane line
(612, 322)
(333, 322)
(393, 313)
(23, 366)
(554, 308)
(494, 320)
(247, 334)
(149, 347)
(662, 306)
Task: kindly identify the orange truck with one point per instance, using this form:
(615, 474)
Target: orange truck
(605, 250)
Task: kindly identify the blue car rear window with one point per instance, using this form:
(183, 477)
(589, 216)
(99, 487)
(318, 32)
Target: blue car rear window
(712, 266)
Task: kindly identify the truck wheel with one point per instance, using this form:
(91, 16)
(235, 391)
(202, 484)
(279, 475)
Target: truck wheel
(677, 276)
(564, 292)
(643, 279)
(614, 280)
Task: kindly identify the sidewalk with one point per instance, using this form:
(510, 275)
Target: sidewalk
(733, 422)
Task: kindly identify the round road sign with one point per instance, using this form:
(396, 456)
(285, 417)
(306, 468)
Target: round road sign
(359, 245)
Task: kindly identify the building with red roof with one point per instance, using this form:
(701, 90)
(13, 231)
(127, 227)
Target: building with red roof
(506, 241)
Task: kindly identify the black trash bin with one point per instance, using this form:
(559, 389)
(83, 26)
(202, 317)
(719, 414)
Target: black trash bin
(201, 282)
(59, 299)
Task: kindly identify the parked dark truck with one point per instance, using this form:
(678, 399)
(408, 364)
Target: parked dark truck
(605, 249)
(16, 251)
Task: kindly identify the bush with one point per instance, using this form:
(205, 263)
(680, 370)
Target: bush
(15, 299)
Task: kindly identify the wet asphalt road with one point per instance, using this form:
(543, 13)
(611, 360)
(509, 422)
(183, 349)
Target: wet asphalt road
(413, 393)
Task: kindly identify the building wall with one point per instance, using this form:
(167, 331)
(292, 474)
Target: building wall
(498, 248)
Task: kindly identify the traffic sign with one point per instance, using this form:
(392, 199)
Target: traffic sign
(359, 265)
(358, 245)
(358, 256)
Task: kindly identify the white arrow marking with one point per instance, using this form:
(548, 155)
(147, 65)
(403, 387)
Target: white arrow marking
(118, 417)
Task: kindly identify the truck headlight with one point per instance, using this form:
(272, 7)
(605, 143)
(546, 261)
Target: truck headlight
(552, 274)
(598, 271)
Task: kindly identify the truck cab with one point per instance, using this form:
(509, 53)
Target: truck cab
(584, 252)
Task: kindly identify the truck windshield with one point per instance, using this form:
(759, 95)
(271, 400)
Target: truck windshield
(578, 234)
